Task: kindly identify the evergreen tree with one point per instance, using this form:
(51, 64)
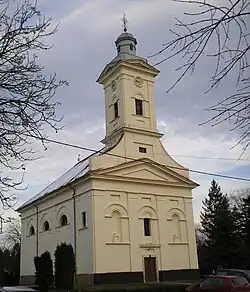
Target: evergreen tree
(217, 221)
(64, 266)
(245, 212)
(44, 271)
(200, 243)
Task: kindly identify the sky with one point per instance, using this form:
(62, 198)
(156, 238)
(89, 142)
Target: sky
(82, 47)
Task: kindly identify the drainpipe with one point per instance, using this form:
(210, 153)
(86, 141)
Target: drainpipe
(36, 228)
(74, 225)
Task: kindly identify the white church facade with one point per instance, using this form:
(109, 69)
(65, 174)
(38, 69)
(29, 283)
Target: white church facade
(127, 210)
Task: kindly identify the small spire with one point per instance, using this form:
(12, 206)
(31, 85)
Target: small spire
(125, 22)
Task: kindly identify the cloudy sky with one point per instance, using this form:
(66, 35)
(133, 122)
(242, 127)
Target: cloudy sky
(82, 47)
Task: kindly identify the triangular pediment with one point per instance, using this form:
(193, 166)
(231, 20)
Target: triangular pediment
(136, 64)
(148, 171)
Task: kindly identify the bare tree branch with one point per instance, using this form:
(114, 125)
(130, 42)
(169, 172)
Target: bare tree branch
(26, 94)
(226, 24)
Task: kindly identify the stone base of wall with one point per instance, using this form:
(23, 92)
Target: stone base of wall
(125, 277)
(27, 280)
(180, 275)
(136, 277)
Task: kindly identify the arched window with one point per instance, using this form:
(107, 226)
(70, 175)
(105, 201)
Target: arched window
(147, 225)
(117, 226)
(46, 226)
(131, 47)
(63, 220)
(176, 228)
(32, 230)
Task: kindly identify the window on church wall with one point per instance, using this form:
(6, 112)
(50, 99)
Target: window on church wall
(46, 226)
(63, 220)
(138, 107)
(31, 230)
(84, 219)
(143, 149)
(131, 47)
(147, 226)
(176, 225)
(116, 110)
(116, 226)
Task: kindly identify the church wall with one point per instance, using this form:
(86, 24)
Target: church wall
(171, 218)
(111, 232)
(84, 247)
(144, 93)
(111, 97)
(129, 146)
(51, 210)
(47, 240)
(28, 251)
(125, 93)
(191, 234)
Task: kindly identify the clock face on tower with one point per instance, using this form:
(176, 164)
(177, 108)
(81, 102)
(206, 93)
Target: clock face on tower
(138, 81)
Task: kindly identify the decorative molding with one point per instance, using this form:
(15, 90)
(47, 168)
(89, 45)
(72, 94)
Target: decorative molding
(178, 243)
(113, 85)
(137, 180)
(181, 220)
(143, 217)
(142, 117)
(122, 217)
(82, 228)
(109, 70)
(133, 195)
(117, 243)
(44, 231)
(116, 207)
(29, 236)
(149, 245)
(176, 211)
(62, 211)
(138, 81)
(61, 226)
(147, 209)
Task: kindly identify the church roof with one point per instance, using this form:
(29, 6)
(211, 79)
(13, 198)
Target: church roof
(78, 170)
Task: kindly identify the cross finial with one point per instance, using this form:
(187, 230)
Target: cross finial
(125, 22)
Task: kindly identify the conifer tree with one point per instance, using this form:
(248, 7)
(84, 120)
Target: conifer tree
(217, 221)
(245, 212)
(64, 266)
(44, 271)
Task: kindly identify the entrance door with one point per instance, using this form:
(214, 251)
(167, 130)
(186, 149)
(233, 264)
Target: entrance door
(150, 269)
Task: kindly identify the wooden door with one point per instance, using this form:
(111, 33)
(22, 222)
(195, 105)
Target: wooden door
(150, 269)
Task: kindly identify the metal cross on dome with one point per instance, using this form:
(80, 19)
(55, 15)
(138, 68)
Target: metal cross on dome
(125, 22)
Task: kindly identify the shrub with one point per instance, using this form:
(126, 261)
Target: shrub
(64, 266)
(44, 271)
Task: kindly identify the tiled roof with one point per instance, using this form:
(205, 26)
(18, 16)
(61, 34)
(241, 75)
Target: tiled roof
(77, 171)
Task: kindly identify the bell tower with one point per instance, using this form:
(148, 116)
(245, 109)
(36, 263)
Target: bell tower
(128, 82)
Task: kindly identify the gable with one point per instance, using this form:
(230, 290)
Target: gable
(145, 170)
(143, 65)
(136, 64)
(146, 173)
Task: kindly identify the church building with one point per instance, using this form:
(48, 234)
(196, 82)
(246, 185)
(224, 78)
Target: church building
(127, 209)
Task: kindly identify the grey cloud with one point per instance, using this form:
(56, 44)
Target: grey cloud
(81, 50)
(79, 57)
